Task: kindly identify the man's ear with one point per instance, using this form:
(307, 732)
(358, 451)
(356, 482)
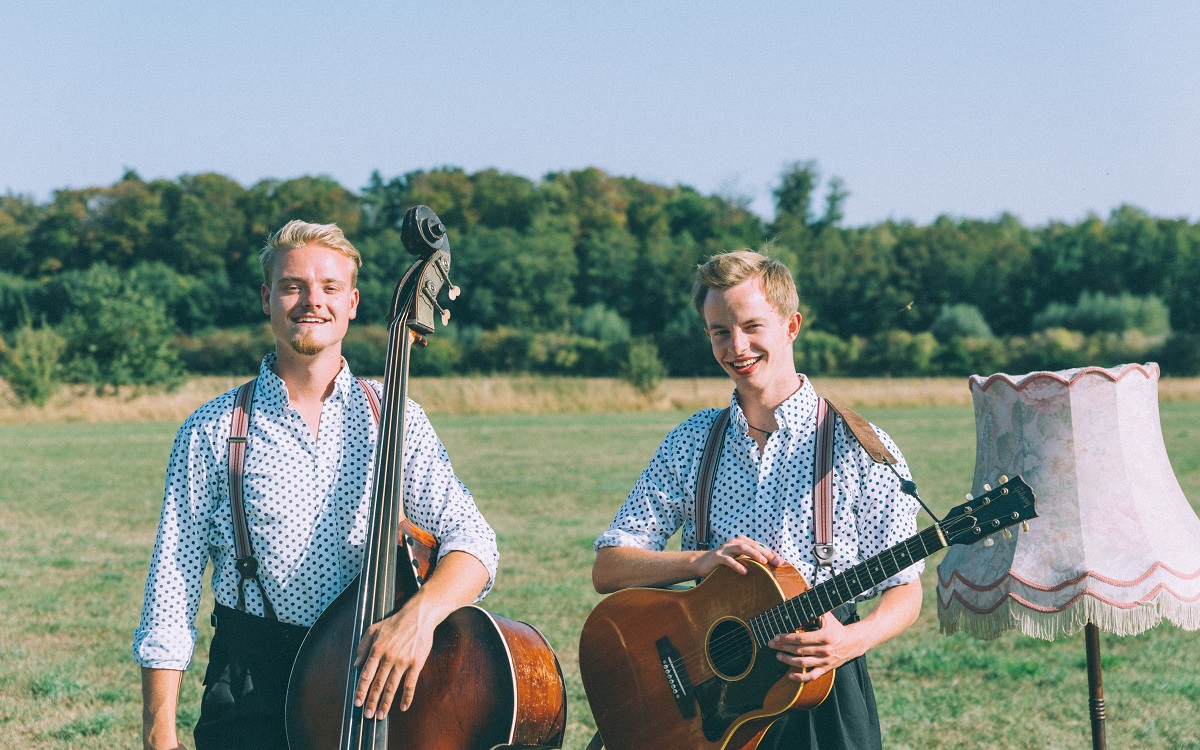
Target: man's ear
(794, 323)
(266, 299)
(354, 303)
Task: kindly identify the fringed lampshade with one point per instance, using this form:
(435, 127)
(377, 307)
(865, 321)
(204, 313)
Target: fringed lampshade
(1116, 546)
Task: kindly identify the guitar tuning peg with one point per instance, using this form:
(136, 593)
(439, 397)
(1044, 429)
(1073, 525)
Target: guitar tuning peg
(988, 542)
(1007, 534)
(1024, 526)
(1003, 479)
(987, 488)
(970, 496)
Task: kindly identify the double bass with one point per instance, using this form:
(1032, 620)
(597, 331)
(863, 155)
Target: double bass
(489, 681)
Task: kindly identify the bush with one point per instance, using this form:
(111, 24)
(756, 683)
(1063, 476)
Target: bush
(1180, 355)
(821, 353)
(971, 356)
(231, 351)
(1096, 312)
(643, 369)
(1051, 349)
(31, 363)
(960, 321)
(898, 352)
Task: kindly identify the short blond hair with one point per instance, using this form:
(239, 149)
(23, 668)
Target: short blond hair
(730, 269)
(298, 233)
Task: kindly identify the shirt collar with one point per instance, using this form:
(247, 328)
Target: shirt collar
(799, 409)
(272, 392)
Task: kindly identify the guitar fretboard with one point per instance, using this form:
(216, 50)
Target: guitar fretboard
(798, 611)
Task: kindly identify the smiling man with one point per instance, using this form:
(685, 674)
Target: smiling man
(306, 492)
(762, 505)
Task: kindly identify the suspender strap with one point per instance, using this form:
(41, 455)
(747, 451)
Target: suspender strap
(239, 428)
(822, 498)
(706, 480)
(822, 493)
(373, 399)
(247, 563)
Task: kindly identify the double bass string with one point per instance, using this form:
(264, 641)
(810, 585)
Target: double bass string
(377, 557)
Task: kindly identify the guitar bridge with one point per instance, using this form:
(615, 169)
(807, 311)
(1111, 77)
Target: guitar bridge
(677, 676)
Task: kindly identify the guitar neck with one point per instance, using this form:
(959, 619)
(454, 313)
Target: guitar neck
(798, 611)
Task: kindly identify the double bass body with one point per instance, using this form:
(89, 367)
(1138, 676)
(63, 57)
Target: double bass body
(489, 682)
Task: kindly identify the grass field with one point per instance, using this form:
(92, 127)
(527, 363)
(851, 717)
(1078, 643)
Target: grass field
(79, 506)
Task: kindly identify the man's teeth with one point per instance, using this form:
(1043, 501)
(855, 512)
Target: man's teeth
(742, 363)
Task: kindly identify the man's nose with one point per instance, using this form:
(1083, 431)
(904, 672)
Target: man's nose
(738, 339)
(313, 298)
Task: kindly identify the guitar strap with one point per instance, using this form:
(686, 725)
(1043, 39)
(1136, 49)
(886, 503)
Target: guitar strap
(239, 428)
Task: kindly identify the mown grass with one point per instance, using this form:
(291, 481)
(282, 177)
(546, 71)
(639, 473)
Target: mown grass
(79, 506)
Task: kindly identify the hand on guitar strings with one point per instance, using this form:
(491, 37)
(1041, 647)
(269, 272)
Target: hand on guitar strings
(391, 655)
(812, 653)
(729, 552)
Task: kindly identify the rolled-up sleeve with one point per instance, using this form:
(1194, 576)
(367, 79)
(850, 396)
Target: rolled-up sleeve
(166, 635)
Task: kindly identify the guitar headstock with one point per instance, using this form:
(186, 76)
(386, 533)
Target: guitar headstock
(997, 509)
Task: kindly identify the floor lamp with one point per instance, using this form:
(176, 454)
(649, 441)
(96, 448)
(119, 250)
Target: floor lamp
(1116, 545)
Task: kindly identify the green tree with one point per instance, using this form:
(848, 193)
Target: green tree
(117, 334)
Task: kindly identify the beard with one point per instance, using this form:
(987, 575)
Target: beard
(306, 344)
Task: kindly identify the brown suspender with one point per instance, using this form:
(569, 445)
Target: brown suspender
(823, 487)
(239, 428)
(707, 479)
(860, 428)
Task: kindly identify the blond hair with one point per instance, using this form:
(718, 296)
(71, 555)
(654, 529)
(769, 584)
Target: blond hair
(298, 233)
(730, 269)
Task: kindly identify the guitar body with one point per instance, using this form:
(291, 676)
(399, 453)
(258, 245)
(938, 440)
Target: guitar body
(726, 693)
(489, 682)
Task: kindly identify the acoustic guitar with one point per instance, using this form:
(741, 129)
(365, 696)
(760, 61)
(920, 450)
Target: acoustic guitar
(692, 669)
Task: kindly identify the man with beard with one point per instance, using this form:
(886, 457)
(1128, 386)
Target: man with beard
(306, 494)
(762, 501)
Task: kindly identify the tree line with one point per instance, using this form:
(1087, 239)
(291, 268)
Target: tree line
(583, 272)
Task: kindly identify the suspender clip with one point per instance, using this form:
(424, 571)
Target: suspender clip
(237, 439)
(824, 555)
(247, 567)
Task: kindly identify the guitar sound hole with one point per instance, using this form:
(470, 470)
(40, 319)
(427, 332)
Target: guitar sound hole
(731, 649)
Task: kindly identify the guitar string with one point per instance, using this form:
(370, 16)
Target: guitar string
(734, 644)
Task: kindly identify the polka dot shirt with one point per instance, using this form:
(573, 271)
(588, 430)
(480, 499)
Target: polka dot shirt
(768, 497)
(307, 504)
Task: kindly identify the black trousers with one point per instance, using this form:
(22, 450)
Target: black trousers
(846, 720)
(245, 685)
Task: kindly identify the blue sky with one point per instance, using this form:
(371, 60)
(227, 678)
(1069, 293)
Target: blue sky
(1045, 110)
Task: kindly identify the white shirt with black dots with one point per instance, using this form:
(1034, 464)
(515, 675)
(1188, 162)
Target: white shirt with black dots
(768, 497)
(307, 504)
